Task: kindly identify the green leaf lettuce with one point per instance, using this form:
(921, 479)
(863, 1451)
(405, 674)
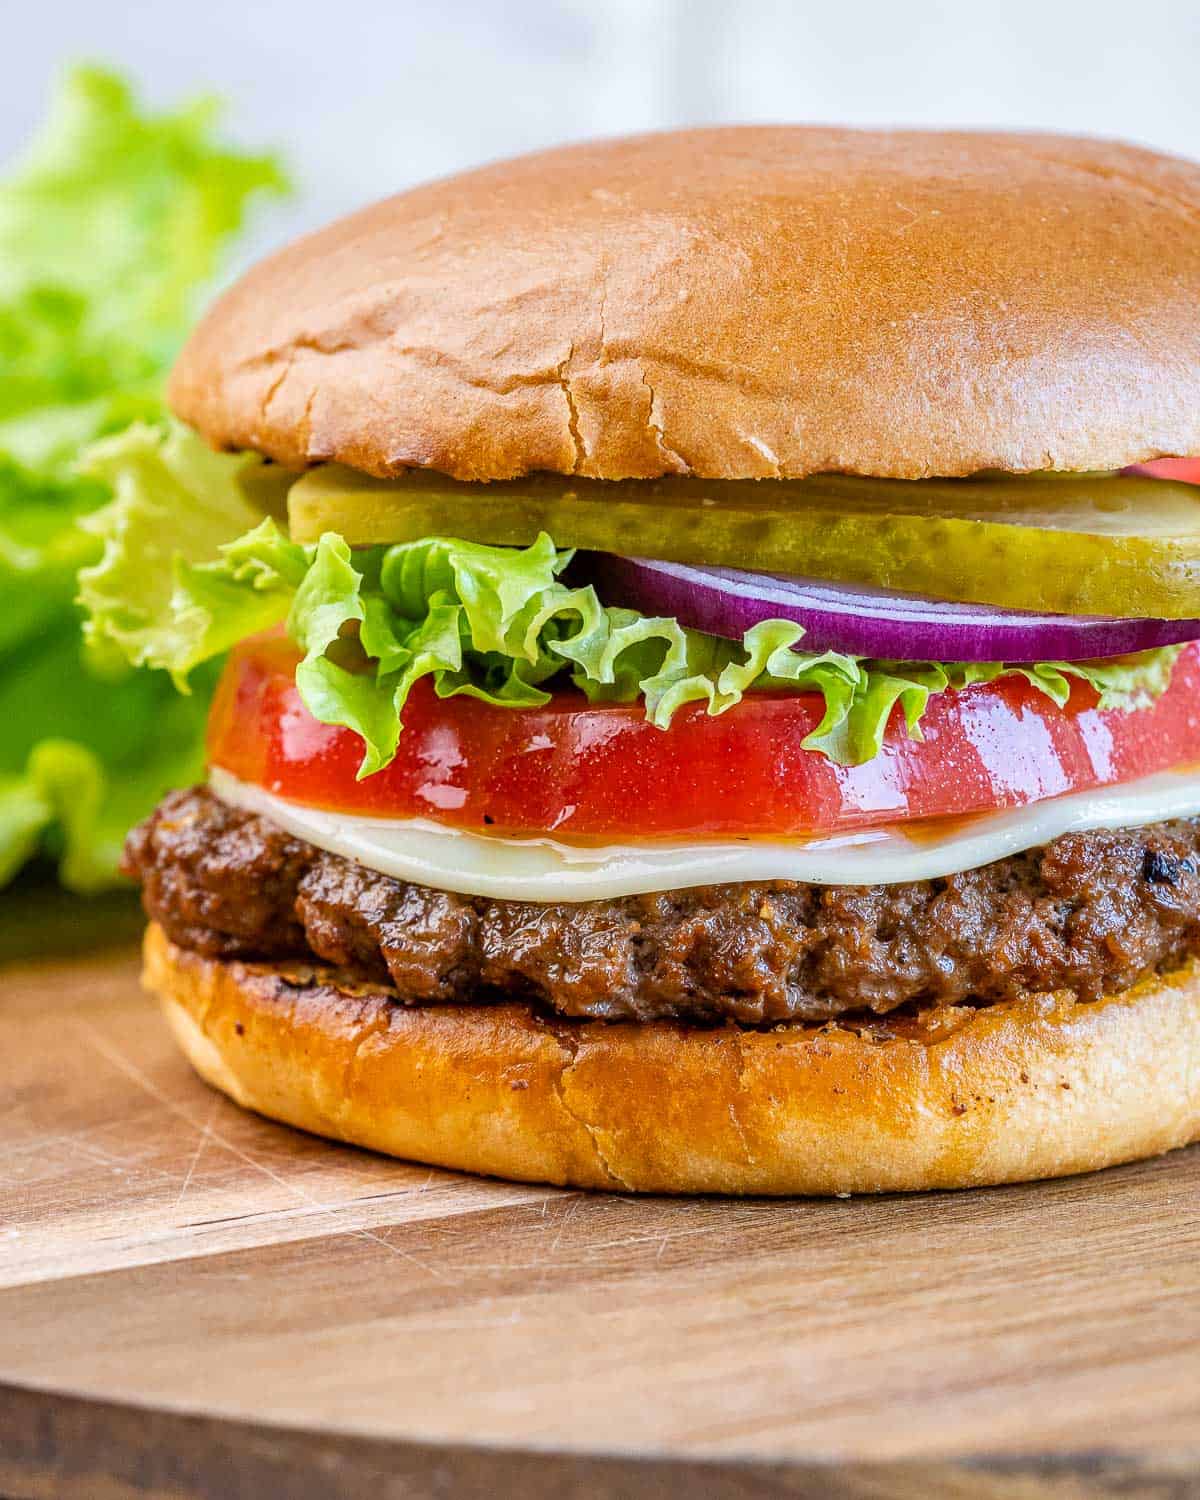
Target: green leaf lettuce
(109, 228)
(497, 623)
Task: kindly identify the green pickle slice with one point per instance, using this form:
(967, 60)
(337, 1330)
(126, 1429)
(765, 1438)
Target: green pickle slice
(1078, 544)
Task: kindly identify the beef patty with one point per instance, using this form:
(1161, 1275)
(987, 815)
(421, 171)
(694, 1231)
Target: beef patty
(1089, 912)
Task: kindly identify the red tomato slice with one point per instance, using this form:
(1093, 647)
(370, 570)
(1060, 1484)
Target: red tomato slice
(1182, 470)
(601, 771)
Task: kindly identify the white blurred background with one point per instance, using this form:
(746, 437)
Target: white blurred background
(366, 96)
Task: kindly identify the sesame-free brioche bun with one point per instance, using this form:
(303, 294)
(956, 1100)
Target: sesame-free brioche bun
(757, 301)
(1037, 1088)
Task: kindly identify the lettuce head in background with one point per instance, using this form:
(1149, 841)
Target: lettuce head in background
(111, 229)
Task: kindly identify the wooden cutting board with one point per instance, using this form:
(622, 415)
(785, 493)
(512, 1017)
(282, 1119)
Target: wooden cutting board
(195, 1302)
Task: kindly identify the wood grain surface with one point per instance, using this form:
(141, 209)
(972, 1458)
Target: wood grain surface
(195, 1302)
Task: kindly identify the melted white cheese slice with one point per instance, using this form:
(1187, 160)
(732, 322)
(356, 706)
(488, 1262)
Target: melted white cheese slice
(545, 869)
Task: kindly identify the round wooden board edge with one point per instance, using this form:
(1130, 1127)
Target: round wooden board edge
(57, 1446)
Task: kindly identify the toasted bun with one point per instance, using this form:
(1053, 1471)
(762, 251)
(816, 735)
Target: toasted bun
(1039, 1088)
(754, 301)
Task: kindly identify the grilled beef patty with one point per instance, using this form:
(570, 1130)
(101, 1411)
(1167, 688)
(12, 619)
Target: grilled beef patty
(1089, 912)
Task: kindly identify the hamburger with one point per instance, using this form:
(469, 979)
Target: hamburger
(711, 700)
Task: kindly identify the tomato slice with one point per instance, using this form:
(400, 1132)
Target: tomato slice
(1181, 470)
(602, 772)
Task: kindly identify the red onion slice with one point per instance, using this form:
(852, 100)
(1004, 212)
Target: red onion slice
(863, 621)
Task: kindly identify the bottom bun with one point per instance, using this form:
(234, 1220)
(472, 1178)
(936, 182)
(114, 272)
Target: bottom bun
(1040, 1087)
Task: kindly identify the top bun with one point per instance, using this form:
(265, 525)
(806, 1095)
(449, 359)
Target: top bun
(754, 301)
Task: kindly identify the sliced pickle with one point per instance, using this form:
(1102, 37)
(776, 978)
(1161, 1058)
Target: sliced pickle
(1088, 544)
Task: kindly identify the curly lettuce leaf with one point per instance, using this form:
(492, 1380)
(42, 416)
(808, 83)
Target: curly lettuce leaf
(497, 623)
(173, 497)
(73, 795)
(109, 229)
